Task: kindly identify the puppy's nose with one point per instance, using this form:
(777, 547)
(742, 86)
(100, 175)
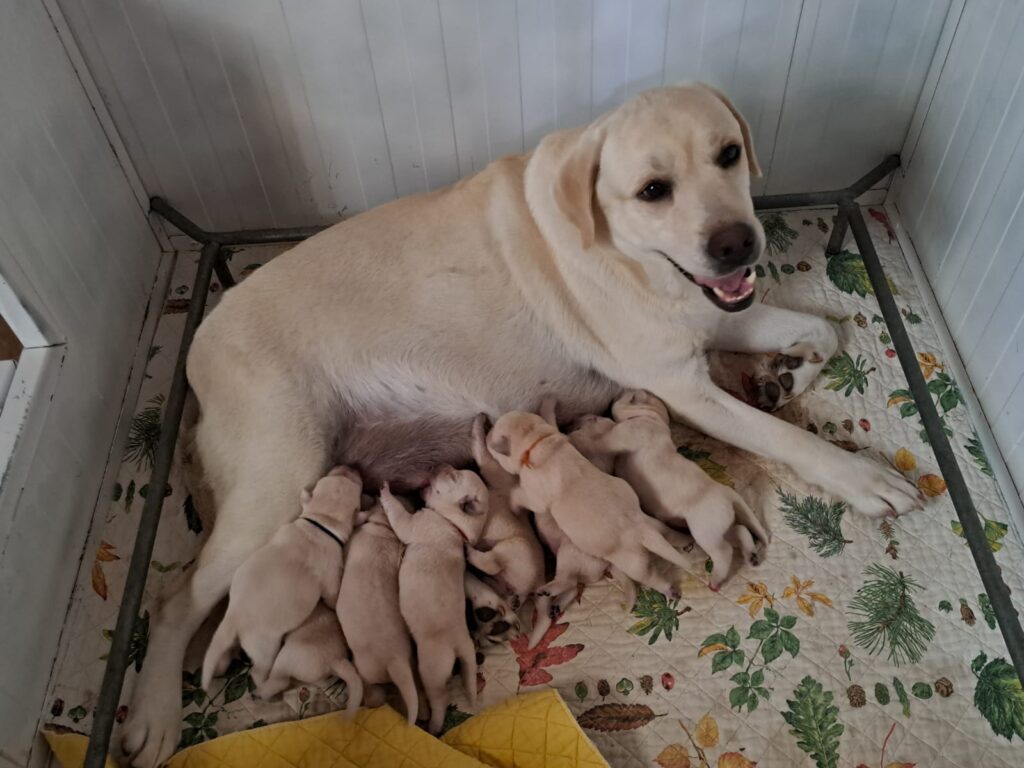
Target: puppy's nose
(732, 245)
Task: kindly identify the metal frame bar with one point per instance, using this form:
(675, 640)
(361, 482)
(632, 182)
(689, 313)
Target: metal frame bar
(214, 259)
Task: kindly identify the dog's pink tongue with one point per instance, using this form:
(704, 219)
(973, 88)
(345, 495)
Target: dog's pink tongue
(729, 284)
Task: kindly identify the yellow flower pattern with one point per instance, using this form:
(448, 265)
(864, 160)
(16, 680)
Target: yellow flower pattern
(805, 598)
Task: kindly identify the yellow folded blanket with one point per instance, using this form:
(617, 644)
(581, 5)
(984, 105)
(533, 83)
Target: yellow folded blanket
(534, 730)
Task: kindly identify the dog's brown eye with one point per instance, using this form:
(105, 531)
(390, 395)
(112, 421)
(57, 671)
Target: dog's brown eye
(655, 190)
(729, 156)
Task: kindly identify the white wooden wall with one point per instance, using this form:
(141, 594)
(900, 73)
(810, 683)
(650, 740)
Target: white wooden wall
(962, 200)
(247, 113)
(76, 246)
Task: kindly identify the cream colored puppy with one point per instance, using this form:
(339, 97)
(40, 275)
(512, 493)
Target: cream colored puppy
(585, 436)
(674, 489)
(369, 612)
(313, 654)
(431, 585)
(508, 551)
(277, 588)
(598, 513)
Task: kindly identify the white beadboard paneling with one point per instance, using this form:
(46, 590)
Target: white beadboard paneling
(76, 246)
(962, 203)
(286, 112)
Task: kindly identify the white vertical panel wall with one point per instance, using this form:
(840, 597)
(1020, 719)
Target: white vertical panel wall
(962, 200)
(282, 112)
(76, 246)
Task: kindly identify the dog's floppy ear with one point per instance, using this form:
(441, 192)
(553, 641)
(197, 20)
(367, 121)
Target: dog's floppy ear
(574, 187)
(748, 144)
(500, 445)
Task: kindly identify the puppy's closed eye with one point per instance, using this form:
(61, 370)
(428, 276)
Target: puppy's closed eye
(470, 505)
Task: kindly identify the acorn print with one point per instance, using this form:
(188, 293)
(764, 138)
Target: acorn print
(812, 428)
(943, 687)
(667, 681)
(966, 613)
(58, 707)
(848, 425)
(603, 689)
(803, 266)
(856, 696)
(860, 320)
(647, 684)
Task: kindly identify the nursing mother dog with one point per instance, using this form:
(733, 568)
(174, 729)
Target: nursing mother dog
(613, 256)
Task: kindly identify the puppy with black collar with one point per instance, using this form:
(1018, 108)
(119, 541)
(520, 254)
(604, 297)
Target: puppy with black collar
(431, 589)
(277, 588)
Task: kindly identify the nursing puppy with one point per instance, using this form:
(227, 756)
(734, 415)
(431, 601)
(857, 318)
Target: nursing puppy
(508, 551)
(313, 654)
(598, 513)
(585, 436)
(674, 489)
(431, 585)
(369, 613)
(277, 588)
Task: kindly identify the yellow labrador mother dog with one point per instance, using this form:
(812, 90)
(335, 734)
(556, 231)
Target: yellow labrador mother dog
(612, 256)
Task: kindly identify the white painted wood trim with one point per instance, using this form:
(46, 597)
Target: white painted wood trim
(951, 357)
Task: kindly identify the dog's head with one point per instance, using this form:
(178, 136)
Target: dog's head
(461, 497)
(638, 402)
(666, 178)
(336, 497)
(512, 439)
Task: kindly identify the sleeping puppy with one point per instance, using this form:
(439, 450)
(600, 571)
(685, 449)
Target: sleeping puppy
(508, 551)
(674, 489)
(277, 588)
(598, 513)
(431, 587)
(314, 654)
(491, 620)
(369, 613)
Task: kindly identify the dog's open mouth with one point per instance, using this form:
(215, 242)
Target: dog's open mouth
(732, 293)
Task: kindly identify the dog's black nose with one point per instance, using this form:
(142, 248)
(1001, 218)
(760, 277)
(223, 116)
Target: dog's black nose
(732, 245)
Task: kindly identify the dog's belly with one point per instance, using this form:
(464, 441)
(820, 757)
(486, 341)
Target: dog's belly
(403, 447)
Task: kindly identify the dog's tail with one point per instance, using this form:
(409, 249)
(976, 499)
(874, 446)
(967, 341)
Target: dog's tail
(627, 585)
(344, 669)
(745, 516)
(541, 620)
(653, 541)
(218, 655)
(400, 672)
(467, 660)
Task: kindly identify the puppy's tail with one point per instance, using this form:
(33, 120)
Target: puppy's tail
(746, 517)
(219, 653)
(541, 620)
(653, 541)
(344, 669)
(467, 660)
(400, 672)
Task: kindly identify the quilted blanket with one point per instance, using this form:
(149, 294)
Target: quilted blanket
(858, 641)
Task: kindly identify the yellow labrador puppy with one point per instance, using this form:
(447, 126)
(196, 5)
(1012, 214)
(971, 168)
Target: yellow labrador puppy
(431, 580)
(598, 513)
(613, 255)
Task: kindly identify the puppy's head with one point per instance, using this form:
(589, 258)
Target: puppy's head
(490, 618)
(666, 178)
(514, 435)
(634, 403)
(461, 497)
(335, 496)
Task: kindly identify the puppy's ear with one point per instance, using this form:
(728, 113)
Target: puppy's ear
(748, 144)
(306, 496)
(470, 505)
(500, 445)
(574, 187)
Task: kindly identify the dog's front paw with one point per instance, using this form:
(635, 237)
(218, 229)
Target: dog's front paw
(151, 734)
(875, 490)
(775, 383)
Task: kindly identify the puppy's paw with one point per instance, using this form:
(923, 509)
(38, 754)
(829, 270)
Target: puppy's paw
(554, 611)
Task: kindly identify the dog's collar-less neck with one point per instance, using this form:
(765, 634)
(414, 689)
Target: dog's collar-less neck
(326, 530)
(524, 458)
